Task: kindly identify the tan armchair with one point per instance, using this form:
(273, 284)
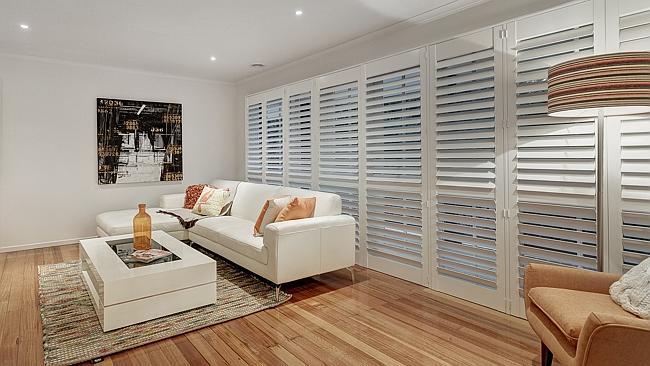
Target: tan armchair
(579, 324)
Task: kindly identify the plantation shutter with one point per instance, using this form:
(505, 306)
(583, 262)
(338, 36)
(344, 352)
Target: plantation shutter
(394, 166)
(254, 127)
(274, 142)
(555, 158)
(338, 141)
(629, 177)
(634, 25)
(635, 190)
(299, 137)
(467, 143)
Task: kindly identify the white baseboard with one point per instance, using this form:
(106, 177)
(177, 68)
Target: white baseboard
(55, 243)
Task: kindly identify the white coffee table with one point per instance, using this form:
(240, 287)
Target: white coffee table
(123, 296)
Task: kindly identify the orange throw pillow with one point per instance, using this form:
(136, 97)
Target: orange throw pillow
(269, 212)
(192, 194)
(298, 208)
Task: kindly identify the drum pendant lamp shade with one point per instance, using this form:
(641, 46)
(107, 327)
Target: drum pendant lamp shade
(616, 83)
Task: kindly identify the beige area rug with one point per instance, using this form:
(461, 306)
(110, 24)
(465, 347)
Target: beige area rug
(71, 330)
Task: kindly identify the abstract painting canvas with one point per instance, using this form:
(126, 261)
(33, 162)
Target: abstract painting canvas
(138, 141)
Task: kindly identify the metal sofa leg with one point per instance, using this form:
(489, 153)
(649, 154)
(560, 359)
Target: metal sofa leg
(547, 356)
(351, 269)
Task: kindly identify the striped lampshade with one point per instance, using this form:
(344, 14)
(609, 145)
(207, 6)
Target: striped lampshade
(616, 83)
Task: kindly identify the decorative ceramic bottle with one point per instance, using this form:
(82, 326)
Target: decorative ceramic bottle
(142, 229)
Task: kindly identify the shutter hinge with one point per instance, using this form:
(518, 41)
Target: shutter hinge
(506, 214)
(503, 33)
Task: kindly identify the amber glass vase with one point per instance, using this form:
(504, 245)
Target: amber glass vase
(142, 229)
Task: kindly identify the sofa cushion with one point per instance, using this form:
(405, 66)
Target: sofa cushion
(250, 198)
(121, 222)
(327, 204)
(569, 309)
(233, 233)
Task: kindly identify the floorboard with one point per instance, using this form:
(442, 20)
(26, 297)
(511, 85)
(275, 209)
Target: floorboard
(379, 320)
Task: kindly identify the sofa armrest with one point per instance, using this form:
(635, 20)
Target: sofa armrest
(307, 247)
(608, 339)
(543, 275)
(176, 200)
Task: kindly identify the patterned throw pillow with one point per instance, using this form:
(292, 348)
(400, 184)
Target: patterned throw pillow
(211, 201)
(192, 194)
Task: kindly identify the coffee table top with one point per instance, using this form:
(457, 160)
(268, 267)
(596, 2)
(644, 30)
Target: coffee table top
(102, 252)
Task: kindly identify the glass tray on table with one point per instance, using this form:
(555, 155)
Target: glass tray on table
(124, 248)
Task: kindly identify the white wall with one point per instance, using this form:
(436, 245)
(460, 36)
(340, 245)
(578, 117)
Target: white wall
(48, 153)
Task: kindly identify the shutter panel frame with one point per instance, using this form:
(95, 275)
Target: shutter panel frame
(467, 188)
(629, 184)
(339, 160)
(274, 136)
(553, 161)
(254, 132)
(394, 190)
(300, 135)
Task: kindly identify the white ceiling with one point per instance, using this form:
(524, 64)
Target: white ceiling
(178, 37)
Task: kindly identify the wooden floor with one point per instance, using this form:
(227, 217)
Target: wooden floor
(379, 320)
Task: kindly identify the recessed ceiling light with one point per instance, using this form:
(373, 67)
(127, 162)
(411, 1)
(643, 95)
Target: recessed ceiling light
(24, 26)
(212, 58)
(257, 64)
(298, 12)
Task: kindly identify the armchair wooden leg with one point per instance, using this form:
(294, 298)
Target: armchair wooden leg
(547, 356)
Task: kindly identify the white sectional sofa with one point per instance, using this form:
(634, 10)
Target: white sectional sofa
(288, 250)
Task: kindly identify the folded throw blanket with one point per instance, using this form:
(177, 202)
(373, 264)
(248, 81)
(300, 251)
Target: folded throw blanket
(632, 291)
(185, 217)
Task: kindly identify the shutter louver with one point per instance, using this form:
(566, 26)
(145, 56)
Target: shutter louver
(339, 146)
(299, 144)
(635, 190)
(465, 175)
(273, 142)
(393, 167)
(555, 160)
(254, 143)
(634, 31)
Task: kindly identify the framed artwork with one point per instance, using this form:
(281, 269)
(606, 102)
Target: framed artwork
(138, 141)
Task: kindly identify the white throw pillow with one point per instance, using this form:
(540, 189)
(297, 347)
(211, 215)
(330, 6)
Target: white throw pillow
(632, 290)
(211, 201)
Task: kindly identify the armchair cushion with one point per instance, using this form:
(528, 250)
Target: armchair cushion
(544, 275)
(569, 309)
